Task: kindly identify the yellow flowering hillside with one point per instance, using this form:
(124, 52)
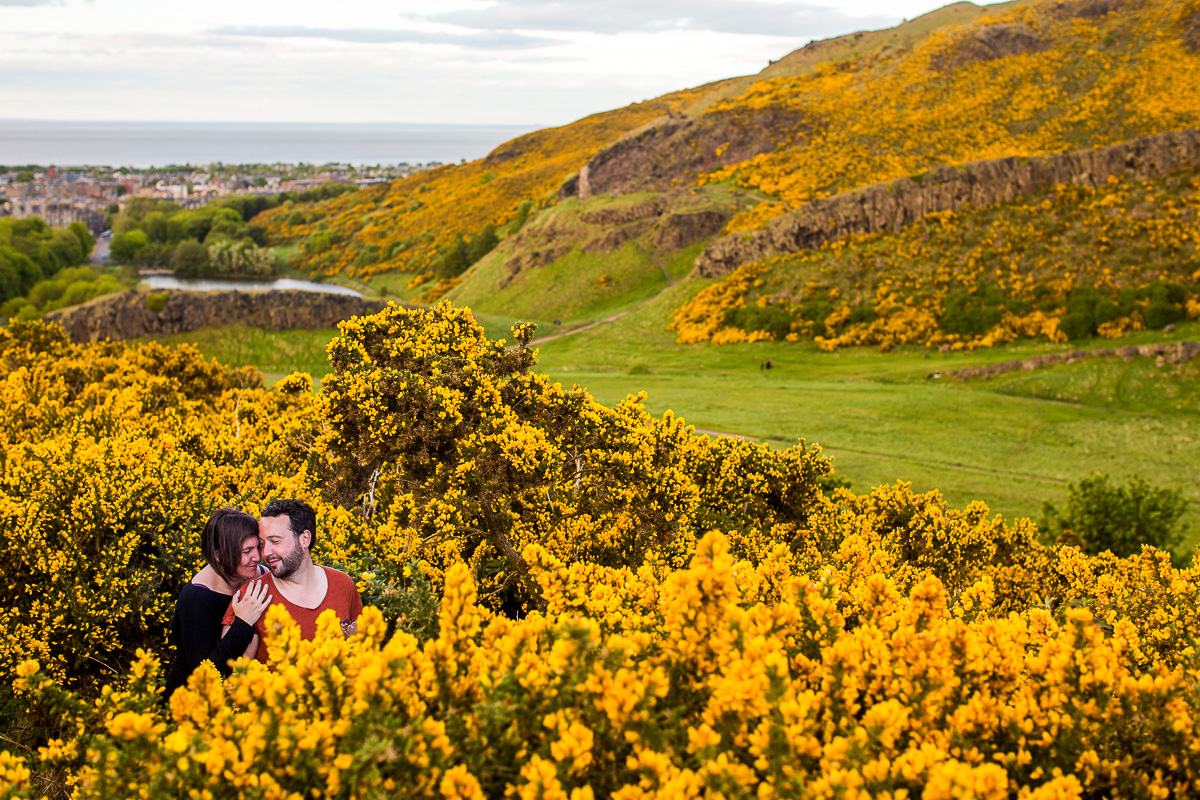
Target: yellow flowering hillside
(404, 224)
(1034, 79)
(1064, 264)
(623, 608)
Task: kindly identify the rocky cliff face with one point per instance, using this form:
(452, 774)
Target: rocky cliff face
(663, 223)
(132, 314)
(892, 205)
(679, 150)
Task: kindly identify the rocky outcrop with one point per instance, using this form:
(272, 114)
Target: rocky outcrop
(679, 150)
(614, 239)
(623, 216)
(895, 204)
(1174, 353)
(1190, 23)
(682, 230)
(144, 313)
(990, 42)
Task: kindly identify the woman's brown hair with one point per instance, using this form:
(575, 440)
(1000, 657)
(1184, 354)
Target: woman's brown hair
(222, 538)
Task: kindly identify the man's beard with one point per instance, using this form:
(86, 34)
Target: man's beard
(288, 564)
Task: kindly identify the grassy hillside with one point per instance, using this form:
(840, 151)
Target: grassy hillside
(587, 258)
(842, 48)
(957, 85)
(1012, 442)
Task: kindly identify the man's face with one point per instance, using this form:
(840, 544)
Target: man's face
(282, 550)
(249, 557)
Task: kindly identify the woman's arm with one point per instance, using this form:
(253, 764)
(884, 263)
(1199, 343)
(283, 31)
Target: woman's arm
(201, 637)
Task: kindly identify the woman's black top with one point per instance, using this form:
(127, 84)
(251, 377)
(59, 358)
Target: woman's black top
(196, 634)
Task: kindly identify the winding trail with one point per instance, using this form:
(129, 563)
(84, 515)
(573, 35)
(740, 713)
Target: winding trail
(923, 462)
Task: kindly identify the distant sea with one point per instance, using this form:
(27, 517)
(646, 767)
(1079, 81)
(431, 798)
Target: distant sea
(157, 144)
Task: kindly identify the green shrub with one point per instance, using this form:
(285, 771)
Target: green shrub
(1102, 516)
(14, 308)
(968, 315)
(157, 301)
(774, 319)
(1077, 326)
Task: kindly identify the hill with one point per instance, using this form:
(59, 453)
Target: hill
(1066, 262)
(962, 84)
(403, 224)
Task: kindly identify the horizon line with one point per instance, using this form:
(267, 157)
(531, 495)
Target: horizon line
(531, 126)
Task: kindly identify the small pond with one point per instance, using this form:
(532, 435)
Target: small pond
(205, 285)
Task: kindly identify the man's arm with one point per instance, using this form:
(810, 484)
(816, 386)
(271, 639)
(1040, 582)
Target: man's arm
(354, 606)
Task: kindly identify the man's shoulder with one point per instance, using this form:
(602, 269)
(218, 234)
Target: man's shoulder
(338, 579)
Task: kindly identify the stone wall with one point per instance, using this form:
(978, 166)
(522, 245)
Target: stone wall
(895, 204)
(1173, 353)
(131, 314)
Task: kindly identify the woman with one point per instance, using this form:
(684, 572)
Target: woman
(230, 545)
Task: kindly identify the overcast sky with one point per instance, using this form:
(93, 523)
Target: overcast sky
(540, 62)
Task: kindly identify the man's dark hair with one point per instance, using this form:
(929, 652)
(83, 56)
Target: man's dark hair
(222, 539)
(300, 514)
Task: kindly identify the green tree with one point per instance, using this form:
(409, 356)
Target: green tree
(1103, 516)
(453, 260)
(190, 258)
(127, 246)
(86, 240)
(24, 269)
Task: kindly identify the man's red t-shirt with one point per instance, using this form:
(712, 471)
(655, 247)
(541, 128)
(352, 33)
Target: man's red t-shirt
(341, 595)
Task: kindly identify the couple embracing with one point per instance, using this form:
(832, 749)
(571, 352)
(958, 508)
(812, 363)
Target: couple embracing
(253, 563)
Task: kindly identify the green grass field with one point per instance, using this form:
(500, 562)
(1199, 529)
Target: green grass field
(1012, 441)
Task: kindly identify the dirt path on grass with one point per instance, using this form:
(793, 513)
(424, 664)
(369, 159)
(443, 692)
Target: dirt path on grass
(922, 462)
(587, 327)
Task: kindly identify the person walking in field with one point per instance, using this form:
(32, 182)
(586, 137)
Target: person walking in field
(229, 543)
(288, 530)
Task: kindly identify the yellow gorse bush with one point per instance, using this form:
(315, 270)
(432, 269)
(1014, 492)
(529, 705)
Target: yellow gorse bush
(114, 455)
(626, 609)
(1031, 254)
(721, 678)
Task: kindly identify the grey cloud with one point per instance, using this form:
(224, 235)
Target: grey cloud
(487, 40)
(617, 16)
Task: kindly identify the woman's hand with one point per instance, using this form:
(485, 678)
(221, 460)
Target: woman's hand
(249, 607)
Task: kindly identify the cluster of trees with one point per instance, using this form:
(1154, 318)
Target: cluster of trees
(32, 252)
(217, 238)
(456, 258)
(69, 287)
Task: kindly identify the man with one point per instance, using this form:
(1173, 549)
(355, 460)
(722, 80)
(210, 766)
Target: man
(288, 531)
